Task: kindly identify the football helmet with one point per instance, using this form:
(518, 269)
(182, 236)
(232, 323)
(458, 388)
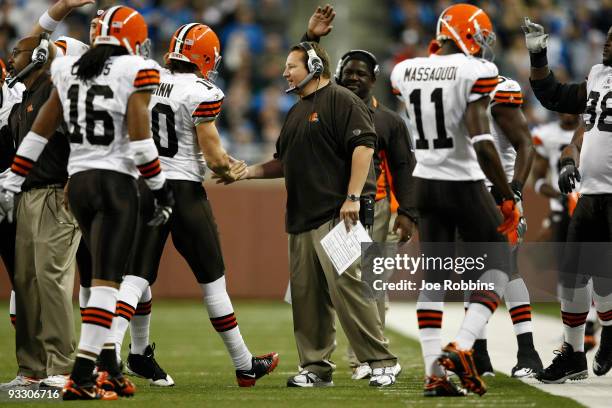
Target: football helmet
(198, 44)
(125, 27)
(469, 27)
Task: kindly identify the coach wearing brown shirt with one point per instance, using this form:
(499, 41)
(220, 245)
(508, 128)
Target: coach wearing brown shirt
(324, 152)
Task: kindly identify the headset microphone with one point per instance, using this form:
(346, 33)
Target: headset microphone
(302, 84)
(40, 55)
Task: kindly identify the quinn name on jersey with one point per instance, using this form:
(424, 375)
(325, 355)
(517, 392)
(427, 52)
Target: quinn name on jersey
(95, 110)
(507, 92)
(596, 153)
(436, 91)
(182, 101)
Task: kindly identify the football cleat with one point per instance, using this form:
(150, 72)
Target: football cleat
(73, 391)
(590, 342)
(118, 384)
(461, 362)
(442, 387)
(261, 366)
(308, 379)
(568, 365)
(603, 358)
(482, 359)
(145, 366)
(528, 364)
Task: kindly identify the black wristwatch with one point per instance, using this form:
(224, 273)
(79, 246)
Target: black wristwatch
(352, 197)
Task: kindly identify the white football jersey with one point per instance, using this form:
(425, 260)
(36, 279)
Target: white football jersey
(70, 47)
(95, 110)
(181, 102)
(8, 98)
(436, 91)
(507, 92)
(549, 141)
(596, 154)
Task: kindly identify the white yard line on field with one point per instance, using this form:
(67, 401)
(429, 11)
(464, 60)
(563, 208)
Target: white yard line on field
(593, 392)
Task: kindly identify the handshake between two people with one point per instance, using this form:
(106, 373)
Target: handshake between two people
(238, 170)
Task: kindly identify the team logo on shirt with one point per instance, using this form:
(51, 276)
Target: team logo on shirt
(314, 117)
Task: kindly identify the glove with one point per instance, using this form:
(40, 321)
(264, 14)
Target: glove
(512, 217)
(535, 38)
(164, 201)
(7, 204)
(568, 176)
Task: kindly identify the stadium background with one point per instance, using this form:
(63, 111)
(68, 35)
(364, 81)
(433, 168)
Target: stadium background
(255, 36)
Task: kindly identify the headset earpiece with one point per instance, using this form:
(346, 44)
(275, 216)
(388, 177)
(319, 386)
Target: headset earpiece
(314, 64)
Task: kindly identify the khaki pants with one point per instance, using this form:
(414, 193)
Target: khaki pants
(45, 248)
(317, 293)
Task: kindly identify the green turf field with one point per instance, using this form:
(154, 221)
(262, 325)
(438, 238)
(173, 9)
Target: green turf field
(190, 350)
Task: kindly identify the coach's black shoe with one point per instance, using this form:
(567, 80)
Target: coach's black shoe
(442, 387)
(145, 366)
(568, 365)
(590, 342)
(603, 358)
(262, 365)
(482, 359)
(528, 364)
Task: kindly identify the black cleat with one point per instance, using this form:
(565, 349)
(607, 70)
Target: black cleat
(568, 365)
(602, 363)
(528, 364)
(262, 365)
(482, 359)
(442, 387)
(145, 366)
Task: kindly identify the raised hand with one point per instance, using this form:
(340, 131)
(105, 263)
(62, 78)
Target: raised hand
(535, 37)
(319, 24)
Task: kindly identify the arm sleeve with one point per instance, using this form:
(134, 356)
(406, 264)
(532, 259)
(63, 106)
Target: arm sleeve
(401, 163)
(482, 78)
(558, 97)
(147, 76)
(207, 106)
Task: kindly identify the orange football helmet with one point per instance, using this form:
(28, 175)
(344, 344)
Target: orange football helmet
(198, 44)
(2, 71)
(469, 27)
(125, 27)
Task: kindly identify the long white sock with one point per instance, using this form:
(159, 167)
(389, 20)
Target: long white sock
(575, 305)
(429, 316)
(130, 292)
(97, 321)
(222, 317)
(13, 309)
(141, 322)
(604, 308)
(519, 306)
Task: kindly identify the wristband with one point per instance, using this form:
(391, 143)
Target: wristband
(480, 138)
(538, 59)
(47, 22)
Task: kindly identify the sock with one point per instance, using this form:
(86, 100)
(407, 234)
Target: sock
(141, 322)
(13, 309)
(84, 294)
(482, 305)
(519, 306)
(603, 306)
(222, 317)
(429, 316)
(95, 330)
(574, 310)
(130, 292)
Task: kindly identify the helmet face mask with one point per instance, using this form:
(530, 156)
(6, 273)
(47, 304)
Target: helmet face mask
(469, 28)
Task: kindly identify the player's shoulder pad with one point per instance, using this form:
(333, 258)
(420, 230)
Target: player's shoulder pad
(507, 92)
(507, 85)
(146, 71)
(207, 91)
(64, 64)
(595, 69)
(68, 46)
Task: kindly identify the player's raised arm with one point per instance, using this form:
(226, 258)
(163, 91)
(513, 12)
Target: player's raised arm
(49, 21)
(553, 95)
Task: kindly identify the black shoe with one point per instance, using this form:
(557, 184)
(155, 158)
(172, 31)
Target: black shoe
(603, 358)
(262, 365)
(568, 365)
(528, 364)
(145, 366)
(442, 387)
(482, 359)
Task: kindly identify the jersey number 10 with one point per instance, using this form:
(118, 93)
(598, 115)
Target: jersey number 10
(442, 141)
